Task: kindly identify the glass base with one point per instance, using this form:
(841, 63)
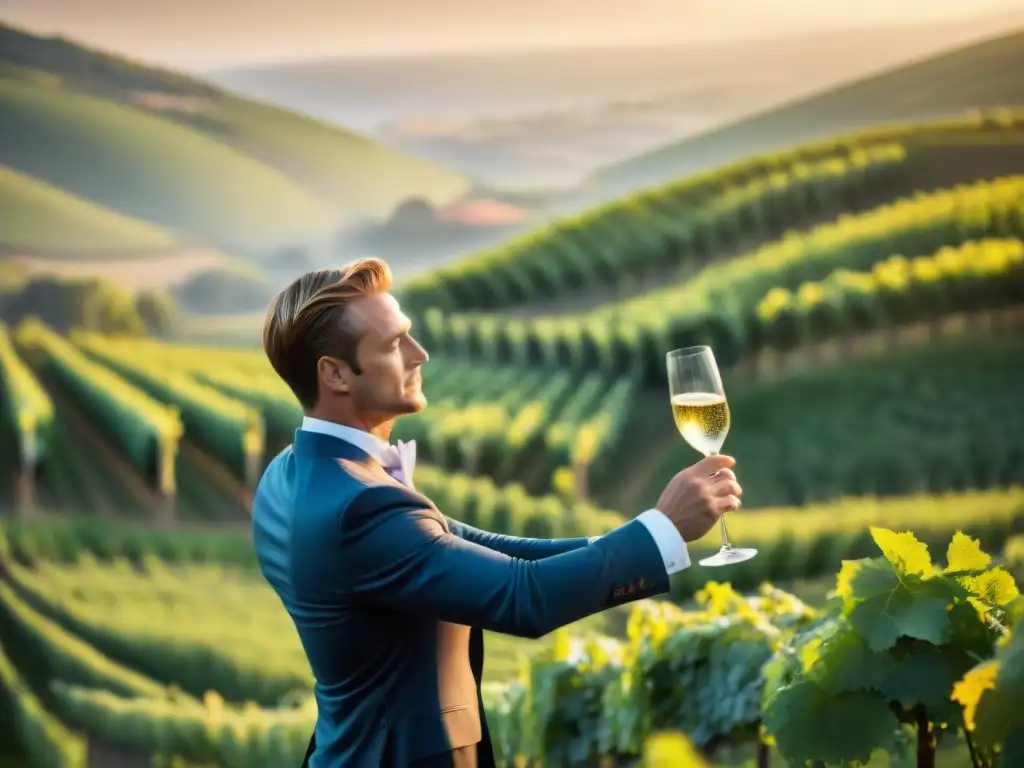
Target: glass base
(728, 556)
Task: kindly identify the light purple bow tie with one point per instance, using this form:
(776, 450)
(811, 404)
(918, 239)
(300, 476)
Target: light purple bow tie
(399, 461)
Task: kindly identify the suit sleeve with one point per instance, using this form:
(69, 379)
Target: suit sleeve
(516, 546)
(401, 555)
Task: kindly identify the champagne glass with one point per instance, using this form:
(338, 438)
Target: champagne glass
(701, 414)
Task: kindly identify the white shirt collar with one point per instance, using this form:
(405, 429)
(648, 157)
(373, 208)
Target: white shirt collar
(365, 441)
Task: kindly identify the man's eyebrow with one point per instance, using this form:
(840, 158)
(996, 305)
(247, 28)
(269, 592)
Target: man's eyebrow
(401, 331)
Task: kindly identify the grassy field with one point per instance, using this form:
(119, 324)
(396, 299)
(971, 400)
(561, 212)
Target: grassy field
(975, 77)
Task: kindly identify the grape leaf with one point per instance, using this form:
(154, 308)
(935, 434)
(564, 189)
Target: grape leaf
(995, 586)
(808, 723)
(924, 674)
(965, 554)
(868, 577)
(844, 664)
(968, 691)
(992, 695)
(970, 632)
(994, 715)
(907, 610)
(904, 551)
(844, 580)
(887, 606)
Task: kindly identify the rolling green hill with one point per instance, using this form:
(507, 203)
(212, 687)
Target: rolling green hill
(171, 150)
(153, 169)
(37, 216)
(984, 75)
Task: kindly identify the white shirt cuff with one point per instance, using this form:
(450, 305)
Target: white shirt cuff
(669, 540)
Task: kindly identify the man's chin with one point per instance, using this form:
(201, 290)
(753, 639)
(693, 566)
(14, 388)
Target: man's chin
(414, 404)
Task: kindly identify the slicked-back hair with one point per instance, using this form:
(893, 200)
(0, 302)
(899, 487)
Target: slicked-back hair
(308, 320)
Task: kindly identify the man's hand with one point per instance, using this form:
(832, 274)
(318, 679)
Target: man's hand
(696, 497)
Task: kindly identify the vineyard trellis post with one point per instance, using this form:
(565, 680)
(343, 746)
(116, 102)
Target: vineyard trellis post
(580, 471)
(253, 469)
(27, 467)
(165, 513)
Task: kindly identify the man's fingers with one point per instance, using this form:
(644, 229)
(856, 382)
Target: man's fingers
(726, 488)
(711, 464)
(723, 474)
(727, 504)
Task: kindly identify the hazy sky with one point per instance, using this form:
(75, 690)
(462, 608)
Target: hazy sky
(200, 34)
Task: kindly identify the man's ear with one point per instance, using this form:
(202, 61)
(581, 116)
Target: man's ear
(335, 374)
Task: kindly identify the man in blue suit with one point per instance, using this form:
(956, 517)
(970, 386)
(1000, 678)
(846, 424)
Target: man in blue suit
(390, 596)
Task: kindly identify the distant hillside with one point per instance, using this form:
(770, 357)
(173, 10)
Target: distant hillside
(988, 74)
(153, 169)
(203, 163)
(45, 230)
(40, 217)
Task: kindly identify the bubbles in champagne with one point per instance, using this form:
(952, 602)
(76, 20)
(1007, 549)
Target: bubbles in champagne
(702, 418)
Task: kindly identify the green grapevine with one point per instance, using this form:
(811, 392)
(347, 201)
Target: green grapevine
(972, 127)
(689, 220)
(229, 429)
(491, 420)
(148, 431)
(696, 671)
(718, 305)
(28, 407)
(981, 274)
(197, 627)
(899, 634)
(207, 732)
(65, 540)
(66, 656)
(44, 738)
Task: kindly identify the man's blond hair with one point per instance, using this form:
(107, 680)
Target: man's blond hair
(307, 321)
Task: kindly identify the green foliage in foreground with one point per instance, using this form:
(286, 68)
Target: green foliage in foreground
(842, 684)
(992, 695)
(894, 647)
(898, 635)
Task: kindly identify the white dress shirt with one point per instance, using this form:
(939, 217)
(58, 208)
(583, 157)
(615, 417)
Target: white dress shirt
(668, 540)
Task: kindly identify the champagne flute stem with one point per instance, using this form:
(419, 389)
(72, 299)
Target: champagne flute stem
(725, 533)
(721, 520)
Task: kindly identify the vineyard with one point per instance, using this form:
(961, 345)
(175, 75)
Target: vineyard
(866, 310)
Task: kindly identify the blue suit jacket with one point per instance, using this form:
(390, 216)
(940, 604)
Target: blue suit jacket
(390, 597)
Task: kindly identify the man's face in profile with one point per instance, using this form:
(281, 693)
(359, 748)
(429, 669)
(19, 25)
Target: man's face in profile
(390, 358)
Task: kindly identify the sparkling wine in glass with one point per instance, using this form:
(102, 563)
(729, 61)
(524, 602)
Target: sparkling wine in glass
(701, 413)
